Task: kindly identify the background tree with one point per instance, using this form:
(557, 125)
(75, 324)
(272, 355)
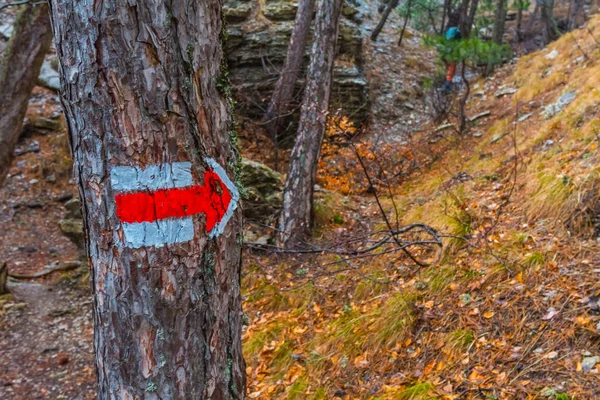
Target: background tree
(549, 29)
(520, 6)
(296, 216)
(143, 88)
(499, 22)
(575, 7)
(20, 67)
(390, 5)
(284, 88)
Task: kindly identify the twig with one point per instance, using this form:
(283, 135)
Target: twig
(19, 3)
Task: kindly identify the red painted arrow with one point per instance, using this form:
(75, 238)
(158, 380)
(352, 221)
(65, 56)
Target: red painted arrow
(212, 199)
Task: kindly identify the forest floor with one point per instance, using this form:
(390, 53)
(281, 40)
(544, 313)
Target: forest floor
(508, 309)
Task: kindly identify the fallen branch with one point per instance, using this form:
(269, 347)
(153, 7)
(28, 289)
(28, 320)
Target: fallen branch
(3, 278)
(69, 266)
(443, 127)
(481, 115)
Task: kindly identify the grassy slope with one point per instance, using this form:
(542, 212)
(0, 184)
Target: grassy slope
(499, 317)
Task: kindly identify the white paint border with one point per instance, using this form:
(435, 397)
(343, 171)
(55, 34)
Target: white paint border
(233, 203)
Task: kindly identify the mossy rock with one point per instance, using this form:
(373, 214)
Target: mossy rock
(263, 190)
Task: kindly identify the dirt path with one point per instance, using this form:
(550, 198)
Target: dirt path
(45, 323)
(46, 341)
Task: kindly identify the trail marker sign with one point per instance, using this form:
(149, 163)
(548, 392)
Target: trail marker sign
(155, 205)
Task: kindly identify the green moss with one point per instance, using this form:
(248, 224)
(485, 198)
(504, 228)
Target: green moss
(298, 388)
(254, 344)
(533, 259)
(416, 391)
(461, 339)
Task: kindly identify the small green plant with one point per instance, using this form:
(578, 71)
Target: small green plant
(470, 50)
(417, 391)
(534, 259)
(461, 339)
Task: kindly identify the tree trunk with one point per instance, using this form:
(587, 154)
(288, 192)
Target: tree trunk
(392, 4)
(21, 63)
(284, 88)
(500, 18)
(296, 216)
(145, 96)
(464, 16)
(548, 23)
(575, 8)
(406, 19)
(471, 18)
(534, 16)
(445, 12)
(3, 278)
(520, 22)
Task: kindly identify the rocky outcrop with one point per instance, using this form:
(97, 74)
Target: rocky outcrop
(258, 37)
(262, 195)
(72, 225)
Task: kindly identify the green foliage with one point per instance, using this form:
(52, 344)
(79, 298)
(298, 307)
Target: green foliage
(534, 259)
(461, 339)
(419, 390)
(522, 5)
(422, 13)
(471, 50)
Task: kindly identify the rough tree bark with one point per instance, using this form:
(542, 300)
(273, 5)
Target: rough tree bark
(21, 63)
(464, 15)
(499, 22)
(548, 23)
(284, 88)
(519, 35)
(471, 18)
(575, 9)
(391, 5)
(296, 215)
(146, 101)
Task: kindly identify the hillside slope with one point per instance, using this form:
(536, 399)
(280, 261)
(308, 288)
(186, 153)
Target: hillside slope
(509, 311)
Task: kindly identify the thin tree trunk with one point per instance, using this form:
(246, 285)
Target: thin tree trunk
(520, 22)
(445, 12)
(499, 22)
(145, 98)
(534, 15)
(3, 278)
(284, 88)
(575, 8)
(406, 19)
(548, 24)
(392, 4)
(471, 17)
(296, 216)
(464, 15)
(21, 63)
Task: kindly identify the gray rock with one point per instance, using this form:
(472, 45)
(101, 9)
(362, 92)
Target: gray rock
(552, 55)
(588, 363)
(73, 208)
(553, 109)
(524, 117)
(505, 92)
(280, 11)
(236, 12)
(33, 147)
(258, 37)
(6, 30)
(40, 126)
(49, 77)
(262, 190)
(72, 226)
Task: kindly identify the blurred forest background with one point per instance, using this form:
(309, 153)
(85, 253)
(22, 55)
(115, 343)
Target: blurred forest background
(440, 244)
